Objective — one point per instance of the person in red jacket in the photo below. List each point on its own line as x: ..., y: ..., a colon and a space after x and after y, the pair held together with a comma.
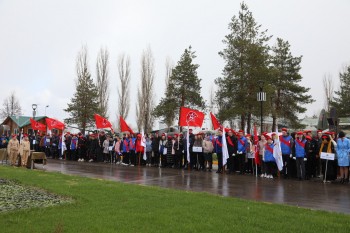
x: 139, y: 149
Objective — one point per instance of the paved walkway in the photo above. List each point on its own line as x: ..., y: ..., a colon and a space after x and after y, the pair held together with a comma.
x: 309, y: 194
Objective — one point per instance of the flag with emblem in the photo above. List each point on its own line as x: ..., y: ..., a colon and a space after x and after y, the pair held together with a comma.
x: 190, y: 117
x: 124, y: 126
x: 101, y: 122
x: 54, y: 124
x: 37, y: 125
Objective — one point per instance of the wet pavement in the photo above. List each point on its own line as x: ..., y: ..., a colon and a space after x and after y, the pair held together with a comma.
x: 310, y: 194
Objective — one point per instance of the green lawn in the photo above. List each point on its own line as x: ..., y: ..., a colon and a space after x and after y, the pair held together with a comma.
x: 106, y: 206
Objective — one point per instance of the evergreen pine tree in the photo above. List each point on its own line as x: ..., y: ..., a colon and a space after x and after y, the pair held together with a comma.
x: 183, y: 88
x: 84, y: 103
x: 246, y: 56
x: 289, y: 97
x: 341, y: 101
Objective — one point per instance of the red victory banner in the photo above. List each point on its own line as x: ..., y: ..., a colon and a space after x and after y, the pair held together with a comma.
x: 37, y: 126
x: 102, y: 122
x: 190, y: 117
x: 54, y: 124
x: 124, y: 126
x: 215, y: 122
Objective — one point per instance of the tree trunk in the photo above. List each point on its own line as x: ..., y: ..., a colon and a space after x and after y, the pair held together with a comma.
x: 274, y: 119
x: 249, y: 119
x: 242, y: 121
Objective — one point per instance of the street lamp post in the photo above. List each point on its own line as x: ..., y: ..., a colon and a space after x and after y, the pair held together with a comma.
x: 46, y: 108
x: 261, y: 97
x: 34, y: 107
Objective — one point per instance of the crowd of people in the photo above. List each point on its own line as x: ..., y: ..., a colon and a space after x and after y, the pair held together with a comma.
x: 301, y: 151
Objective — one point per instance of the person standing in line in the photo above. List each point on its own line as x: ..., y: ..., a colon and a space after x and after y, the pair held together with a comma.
x: 208, y: 153
x: 12, y: 149
x: 300, y: 153
x: 343, y: 150
x: 25, y: 150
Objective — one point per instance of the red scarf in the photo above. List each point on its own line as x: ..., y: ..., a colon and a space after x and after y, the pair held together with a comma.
x: 229, y: 141
x: 218, y: 143
x: 300, y: 143
x: 284, y: 141
x: 126, y: 144
x: 241, y: 141
x: 267, y: 147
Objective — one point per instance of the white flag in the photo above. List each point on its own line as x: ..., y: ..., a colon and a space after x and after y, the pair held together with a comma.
x: 225, y: 155
x: 277, y: 152
x: 188, y: 143
x: 143, y: 143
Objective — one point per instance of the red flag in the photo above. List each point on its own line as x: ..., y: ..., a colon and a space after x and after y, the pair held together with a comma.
x: 124, y: 127
x: 37, y: 126
x: 102, y: 122
x: 256, y: 143
x: 215, y: 122
x: 190, y: 117
x: 54, y: 124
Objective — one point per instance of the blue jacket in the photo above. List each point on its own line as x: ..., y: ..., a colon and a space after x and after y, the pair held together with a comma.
x: 125, y: 148
x: 299, y: 150
x: 242, y: 147
x: 74, y: 143
x: 286, y: 150
x: 218, y: 144
x: 268, y: 156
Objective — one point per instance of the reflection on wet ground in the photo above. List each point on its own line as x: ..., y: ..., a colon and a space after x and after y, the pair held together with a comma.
x: 309, y: 194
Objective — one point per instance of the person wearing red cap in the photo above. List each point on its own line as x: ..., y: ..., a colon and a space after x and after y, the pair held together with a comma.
x: 218, y: 151
x: 269, y: 160
x: 163, y: 150
x: 241, y: 151
x: 170, y: 153
x: 178, y: 147
x: 328, y: 145
x: 300, y: 155
x: 232, y: 151
x: 12, y: 149
x: 24, y: 150
x: 261, y: 148
x: 287, y: 144
x: 155, y: 149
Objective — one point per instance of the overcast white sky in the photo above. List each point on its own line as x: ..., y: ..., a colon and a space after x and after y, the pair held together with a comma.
x: 40, y: 41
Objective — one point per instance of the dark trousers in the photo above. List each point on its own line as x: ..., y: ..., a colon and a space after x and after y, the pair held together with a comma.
x: 310, y: 166
x: 219, y: 161
x: 149, y: 157
x: 286, y: 165
x: 163, y: 160
x: 241, y: 162
x: 201, y: 160
x: 156, y: 158
x: 300, y: 168
x: 270, y: 168
x: 230, y: 163
x: 133, y: 157
x: 178, y: 158
x: 126, y: 158
x: 193, y: 160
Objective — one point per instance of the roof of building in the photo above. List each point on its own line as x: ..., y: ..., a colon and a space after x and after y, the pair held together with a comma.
x: 21, y: 121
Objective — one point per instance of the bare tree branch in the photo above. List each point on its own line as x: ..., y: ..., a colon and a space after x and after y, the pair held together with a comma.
x: 11, y: 106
